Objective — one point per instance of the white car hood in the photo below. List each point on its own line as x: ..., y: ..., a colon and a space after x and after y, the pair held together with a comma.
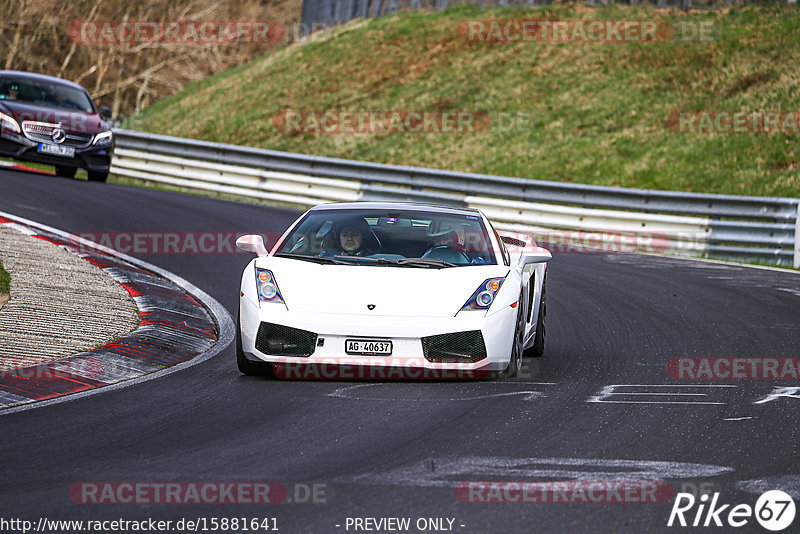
x: 394, y: 291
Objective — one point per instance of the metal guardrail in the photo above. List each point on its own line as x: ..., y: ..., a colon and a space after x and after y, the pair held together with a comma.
x: 763, y: 229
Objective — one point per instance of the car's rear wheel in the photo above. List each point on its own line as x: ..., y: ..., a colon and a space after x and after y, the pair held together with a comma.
x: 537, y: 349
x: 515, y: 365
x: 66, y: 172
x: 246, y: 367
x: 97, y: 176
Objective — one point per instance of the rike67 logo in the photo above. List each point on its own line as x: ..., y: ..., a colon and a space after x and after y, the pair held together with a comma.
x: 774, y: 510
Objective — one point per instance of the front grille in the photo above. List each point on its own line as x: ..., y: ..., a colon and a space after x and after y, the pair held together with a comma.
x: 78, y: 140
x: 42, y: 132
x: 279, y: 340
x: 458, y: 347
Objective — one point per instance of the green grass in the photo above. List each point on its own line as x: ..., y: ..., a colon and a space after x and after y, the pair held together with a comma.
x: 595, y: 113
x: 5, y: 280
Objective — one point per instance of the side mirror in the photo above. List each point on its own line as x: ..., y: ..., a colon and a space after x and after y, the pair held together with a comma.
x: 105, y: 112
x: 539, y: 255
x: 252, y: 243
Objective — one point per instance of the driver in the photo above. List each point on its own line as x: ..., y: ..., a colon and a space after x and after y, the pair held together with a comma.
x: 351, y: 236
x: 13, y: 91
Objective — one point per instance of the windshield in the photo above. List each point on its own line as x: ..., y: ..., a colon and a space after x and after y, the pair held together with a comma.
x: 45, y: 94
x: 387, y: 237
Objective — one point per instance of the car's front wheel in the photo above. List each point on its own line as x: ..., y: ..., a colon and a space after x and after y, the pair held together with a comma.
x: 515, y: 365
x: 246, y: 367
x: 66, y: 172
x: 97, y: 176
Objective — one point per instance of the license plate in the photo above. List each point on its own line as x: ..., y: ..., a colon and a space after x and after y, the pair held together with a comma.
x: 367, y: 346
x: 57, y: 150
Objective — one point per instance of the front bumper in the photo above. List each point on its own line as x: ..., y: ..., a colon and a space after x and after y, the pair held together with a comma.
x: 405, y: 333
x: 19, y: 147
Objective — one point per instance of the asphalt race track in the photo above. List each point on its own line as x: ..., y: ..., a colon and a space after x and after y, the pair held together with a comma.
x: 598, y: 406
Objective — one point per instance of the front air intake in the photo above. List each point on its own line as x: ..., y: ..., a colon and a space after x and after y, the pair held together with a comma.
x: 458, y: 347
x: 279, y: 340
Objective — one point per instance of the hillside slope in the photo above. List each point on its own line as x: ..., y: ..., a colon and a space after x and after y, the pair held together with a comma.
x: 586, y: 112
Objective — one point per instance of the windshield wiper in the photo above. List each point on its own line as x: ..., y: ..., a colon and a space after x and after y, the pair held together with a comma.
x: 351, y: 260
x: 424, y: 262
x: 315, y: 259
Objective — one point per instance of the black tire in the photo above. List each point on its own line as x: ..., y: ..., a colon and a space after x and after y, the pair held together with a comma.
x: 515, y: 365
x: 537, y: 349
x: 246, y: 367
x: 66, y: 172
x: 97, y: 176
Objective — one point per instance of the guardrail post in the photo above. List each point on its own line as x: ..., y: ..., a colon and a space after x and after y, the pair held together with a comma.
x: 797, y: 238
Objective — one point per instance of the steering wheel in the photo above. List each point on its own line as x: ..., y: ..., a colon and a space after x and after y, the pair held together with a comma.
x: 448, y: 254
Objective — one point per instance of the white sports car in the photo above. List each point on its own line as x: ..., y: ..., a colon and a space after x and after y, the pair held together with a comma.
x: 391, y: 290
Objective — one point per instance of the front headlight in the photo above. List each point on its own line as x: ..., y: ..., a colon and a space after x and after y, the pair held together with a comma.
x: 267, y: 287
x: 8, y: 123
x: 102, y: 139
x: 484, y: 295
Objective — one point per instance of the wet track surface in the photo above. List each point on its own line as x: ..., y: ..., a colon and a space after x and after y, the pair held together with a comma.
x: 600, y: 405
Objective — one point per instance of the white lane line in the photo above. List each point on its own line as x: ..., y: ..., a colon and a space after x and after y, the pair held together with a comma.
x: 219, y: 313
x: 737, y: 418
x: 613, y: 390
x: 790, y: 392
x: 795, y: 292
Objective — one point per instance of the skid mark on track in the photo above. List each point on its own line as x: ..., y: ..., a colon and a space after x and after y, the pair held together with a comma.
x: 788, y: 483
x: 353, y: 393
x: 451, y: 471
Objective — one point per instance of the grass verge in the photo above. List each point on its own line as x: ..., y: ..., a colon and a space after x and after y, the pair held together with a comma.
x: 594, y: 113
x: 5, y: 280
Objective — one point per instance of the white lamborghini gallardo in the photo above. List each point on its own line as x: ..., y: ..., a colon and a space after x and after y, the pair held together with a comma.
x: 415, y: 290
